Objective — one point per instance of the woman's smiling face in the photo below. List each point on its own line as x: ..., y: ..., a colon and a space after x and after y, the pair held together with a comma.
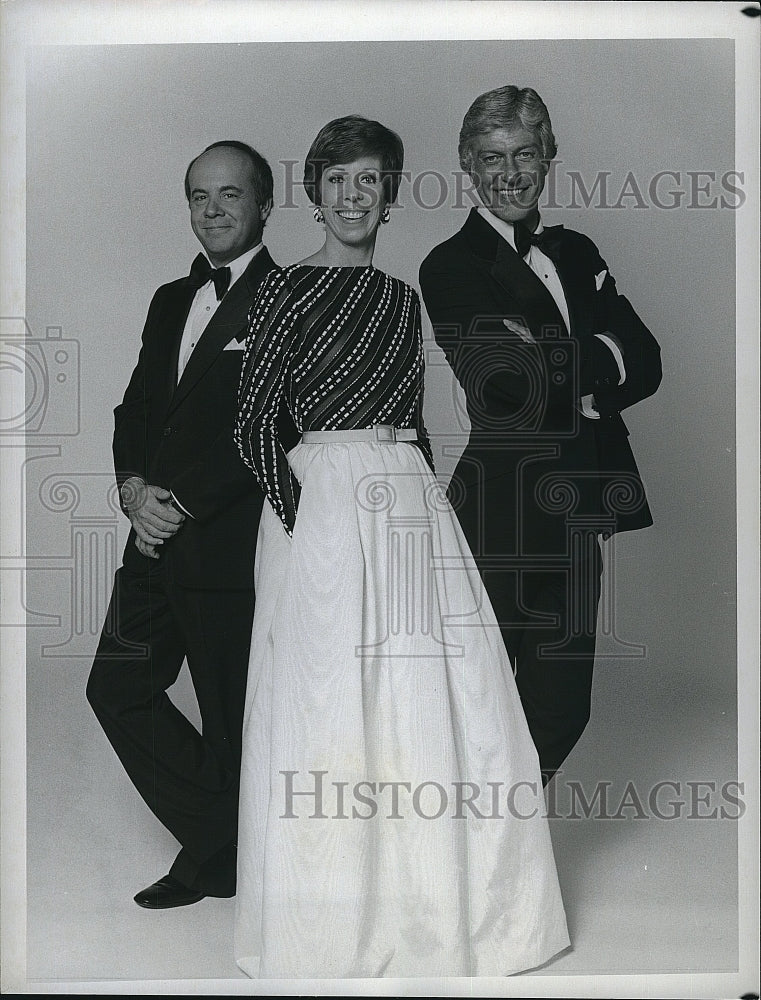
x: 352, y: 200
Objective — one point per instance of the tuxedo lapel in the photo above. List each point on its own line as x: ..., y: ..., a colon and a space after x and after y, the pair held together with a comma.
x: 228, y: 323
x: 528, y: 296
x: 172, y: 322
x: 526, y: 289
x: 579, y: 288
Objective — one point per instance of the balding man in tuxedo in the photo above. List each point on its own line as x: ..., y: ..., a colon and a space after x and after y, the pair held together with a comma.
x: 185, y: 589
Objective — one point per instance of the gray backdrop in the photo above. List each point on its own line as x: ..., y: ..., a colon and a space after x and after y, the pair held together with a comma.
x: 110, y: 130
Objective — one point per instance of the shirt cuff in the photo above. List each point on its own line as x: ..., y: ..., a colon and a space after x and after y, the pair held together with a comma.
x: 587, y: 407
x: 616, y: 352
x: 177, y: 503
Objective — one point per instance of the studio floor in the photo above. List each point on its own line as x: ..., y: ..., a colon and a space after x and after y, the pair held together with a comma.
x: 642, y: 894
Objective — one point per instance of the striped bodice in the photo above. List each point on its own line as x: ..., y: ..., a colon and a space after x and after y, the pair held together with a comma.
x: 343, y: 346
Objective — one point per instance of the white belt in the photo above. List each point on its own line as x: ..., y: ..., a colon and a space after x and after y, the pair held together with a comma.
x: 380, y: 433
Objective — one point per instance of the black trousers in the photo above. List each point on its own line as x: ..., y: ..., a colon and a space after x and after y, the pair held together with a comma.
x: 188, y: 779
x: 548, y: 620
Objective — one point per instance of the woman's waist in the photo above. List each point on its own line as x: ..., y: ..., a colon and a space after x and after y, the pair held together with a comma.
x: 357, y: 452
x: 376, y: 434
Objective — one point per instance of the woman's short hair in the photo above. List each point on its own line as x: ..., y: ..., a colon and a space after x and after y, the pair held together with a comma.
x: 506, y: 107
x: 345, y: 140
x: 261, y: 172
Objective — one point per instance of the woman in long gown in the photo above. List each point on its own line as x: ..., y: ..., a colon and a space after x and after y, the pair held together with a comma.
x: 391, y: 811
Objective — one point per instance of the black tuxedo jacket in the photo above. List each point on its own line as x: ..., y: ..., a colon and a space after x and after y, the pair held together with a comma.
x: 534, y: 463
x: 180, y: 435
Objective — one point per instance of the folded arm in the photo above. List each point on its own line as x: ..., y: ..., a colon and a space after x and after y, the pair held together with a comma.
x: 621, y: 341
x: 500, y: 363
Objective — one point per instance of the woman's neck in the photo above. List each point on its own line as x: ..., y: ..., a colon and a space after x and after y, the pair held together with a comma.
x: 333, y: 253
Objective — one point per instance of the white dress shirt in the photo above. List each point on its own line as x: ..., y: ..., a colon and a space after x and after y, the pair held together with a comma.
x: 203, y: 307
x: 547, y: 273
x: 205, y: 304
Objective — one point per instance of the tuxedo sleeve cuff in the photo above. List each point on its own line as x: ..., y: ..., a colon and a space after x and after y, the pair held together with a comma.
x: 615, y: 350
x: 587, y: 407
x: 179, y: 506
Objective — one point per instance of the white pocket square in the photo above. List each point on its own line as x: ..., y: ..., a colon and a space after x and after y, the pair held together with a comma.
x: 235, y: 345
x: 600, y: 278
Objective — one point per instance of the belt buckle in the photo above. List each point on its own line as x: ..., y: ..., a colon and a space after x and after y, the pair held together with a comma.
x: 385, y: 433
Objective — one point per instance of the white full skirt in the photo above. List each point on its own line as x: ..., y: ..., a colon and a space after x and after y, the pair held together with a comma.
x: 391, y: 809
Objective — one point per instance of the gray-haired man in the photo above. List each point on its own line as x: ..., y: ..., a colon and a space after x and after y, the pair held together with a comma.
x: 548, y: 354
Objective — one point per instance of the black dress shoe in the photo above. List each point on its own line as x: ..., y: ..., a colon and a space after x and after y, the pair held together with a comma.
x: 166, y: 893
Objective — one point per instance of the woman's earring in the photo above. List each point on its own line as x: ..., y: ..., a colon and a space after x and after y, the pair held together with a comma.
x: 318, y: 216
x: 385, y: 214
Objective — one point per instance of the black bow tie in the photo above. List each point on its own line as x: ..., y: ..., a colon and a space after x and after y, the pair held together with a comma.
x: 202, y: 271
x: 548, y: 241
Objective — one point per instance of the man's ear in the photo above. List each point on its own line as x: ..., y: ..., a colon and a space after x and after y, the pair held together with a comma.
x: 264, y: 210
